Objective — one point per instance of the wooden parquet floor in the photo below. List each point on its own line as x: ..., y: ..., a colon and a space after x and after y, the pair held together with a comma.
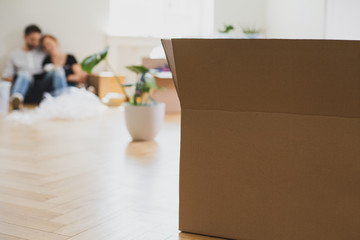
x: 86, y: 180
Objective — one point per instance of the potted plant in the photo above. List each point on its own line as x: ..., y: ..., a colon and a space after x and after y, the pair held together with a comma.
x: 251, y: 32
x: 227, y: 31
x: 144, y: 116
x: 227, y: 28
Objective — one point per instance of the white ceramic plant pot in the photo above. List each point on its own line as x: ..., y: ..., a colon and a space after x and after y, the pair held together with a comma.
x: 144, y: 122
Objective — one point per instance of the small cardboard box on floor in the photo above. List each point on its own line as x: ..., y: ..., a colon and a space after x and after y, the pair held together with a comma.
x: 270, y: 137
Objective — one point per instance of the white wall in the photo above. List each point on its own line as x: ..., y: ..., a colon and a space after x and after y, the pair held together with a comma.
x: 343, y: 19
x: 295, y: 18
x: 129, y: 51
x: 240, y: 13
x: 79, y: 25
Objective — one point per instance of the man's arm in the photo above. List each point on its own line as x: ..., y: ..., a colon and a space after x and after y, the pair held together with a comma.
x: 10, y: 71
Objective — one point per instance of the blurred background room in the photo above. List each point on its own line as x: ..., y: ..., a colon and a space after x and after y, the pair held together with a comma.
x: 88, y: 165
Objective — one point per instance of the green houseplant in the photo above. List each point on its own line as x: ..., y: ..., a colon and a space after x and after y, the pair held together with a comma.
x: 143, y: 115
x: 144, y: 87
x: 251, y: 32
x: 227, y: 28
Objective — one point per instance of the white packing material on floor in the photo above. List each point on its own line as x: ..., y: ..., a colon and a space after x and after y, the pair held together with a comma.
x: 73, y: 103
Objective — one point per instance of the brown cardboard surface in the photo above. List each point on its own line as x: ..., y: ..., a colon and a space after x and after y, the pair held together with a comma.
x: 104, y: 85
x: 269, y: 75
x: 275, y: 153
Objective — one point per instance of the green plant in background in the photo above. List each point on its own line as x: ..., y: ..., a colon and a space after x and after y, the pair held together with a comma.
x: 144, y: 87
x: 91, y: 61
x: 138, y: 69
x: 227, y: 29
x: 250, y: 30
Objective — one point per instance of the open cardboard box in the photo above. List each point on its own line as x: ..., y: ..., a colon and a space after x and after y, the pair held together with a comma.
x: 270, y: 137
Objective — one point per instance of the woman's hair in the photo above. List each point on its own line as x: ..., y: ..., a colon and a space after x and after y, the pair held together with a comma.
x: 47, y: 36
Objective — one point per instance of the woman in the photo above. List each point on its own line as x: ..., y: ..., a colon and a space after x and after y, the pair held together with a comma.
x: 64, y: 66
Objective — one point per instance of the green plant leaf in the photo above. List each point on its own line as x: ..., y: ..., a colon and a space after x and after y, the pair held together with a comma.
x: 91, y: 61
x: 138, y: 69
x: 150, y: 82
x: 227, y: 29
x: 144, y: 89
x: 125, y: 85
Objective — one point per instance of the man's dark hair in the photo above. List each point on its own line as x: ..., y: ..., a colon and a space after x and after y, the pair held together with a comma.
x: 31, y: 29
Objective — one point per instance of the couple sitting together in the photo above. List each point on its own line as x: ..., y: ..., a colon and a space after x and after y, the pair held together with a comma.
x: 40, y: 67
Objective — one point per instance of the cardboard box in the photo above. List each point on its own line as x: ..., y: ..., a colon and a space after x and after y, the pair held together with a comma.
x: 105, y: 84
x: 275, y: 153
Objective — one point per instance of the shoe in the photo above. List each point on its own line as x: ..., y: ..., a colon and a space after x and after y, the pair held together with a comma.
x: 17, y: 101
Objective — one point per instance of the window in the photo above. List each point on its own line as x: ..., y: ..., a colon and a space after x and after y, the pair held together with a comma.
x: 343, y: 19
x: 161, y: 18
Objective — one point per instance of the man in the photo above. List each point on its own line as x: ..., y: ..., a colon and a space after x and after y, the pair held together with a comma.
x: 24, y: 68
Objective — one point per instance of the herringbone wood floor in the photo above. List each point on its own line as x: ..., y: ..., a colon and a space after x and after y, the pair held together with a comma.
x: 86, y: 180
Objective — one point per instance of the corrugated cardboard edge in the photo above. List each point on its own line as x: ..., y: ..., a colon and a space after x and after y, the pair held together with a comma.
x: 169, y: 52
x: 167, y: 45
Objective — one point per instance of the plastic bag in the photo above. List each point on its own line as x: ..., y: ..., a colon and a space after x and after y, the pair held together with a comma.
x: 71, y: 104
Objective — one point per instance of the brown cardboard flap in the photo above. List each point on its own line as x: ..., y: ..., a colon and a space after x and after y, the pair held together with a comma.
x: 312, y: 77
x: 167, y: 45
